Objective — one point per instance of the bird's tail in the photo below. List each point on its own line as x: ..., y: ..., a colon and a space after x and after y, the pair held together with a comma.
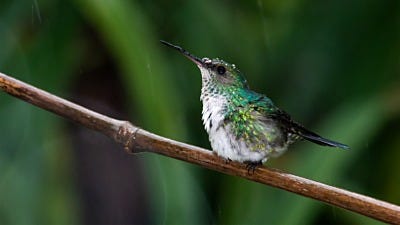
x: 313, y: 137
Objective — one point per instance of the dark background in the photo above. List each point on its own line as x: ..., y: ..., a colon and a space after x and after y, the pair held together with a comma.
x: 333, y: 65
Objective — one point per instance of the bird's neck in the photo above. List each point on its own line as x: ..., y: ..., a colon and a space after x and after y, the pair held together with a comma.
x: 214, y: 106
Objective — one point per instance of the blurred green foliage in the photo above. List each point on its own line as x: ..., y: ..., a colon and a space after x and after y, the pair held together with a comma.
x: 333, y: 65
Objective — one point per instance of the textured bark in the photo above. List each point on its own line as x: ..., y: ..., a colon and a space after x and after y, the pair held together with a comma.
x: 136, y: 140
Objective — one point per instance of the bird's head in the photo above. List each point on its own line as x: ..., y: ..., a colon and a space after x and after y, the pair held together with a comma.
x: 215, y: 71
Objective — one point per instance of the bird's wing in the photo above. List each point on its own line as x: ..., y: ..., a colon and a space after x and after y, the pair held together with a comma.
x: 298, y: 129
x: 264, y: 105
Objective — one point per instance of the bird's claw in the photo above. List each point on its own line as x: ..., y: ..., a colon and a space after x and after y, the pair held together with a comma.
x: 252, y: 166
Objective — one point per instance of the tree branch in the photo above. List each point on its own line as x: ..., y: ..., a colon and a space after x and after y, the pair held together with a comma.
x: 135, y: 140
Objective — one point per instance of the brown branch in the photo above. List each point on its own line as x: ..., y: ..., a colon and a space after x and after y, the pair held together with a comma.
x: 135, y: 139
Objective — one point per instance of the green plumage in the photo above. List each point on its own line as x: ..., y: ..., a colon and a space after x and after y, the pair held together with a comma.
x: 243, y: 125
x: 245, y: 112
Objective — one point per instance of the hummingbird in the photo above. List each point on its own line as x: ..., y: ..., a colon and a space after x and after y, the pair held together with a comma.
x: 243, y: 125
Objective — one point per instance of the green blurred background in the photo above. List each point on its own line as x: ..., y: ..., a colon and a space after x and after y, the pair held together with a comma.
x: 333, y: 65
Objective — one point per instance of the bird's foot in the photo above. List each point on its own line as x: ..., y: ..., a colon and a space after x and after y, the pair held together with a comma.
x: 252, y: 166
x: 228, y: 160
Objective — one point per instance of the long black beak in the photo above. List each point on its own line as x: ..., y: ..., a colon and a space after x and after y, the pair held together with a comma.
x: 193, y: 58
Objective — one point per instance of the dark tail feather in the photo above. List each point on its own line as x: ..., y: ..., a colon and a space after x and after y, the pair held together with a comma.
x: 310, y: 136
x: 297, y: 129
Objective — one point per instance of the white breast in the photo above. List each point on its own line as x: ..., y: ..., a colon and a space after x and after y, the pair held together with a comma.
x: 213, y: 112
x: 220, y: 135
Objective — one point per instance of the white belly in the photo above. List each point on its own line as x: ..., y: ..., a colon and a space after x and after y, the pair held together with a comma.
x: 227, y: 146
x: 221, y: 138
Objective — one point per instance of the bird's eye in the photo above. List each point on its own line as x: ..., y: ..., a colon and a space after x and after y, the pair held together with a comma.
x: 221, y: 70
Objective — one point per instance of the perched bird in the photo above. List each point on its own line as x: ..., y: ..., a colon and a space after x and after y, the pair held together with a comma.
x: 243, y: 125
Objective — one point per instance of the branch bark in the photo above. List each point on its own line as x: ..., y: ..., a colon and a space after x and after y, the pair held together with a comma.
x: 135, y: 140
